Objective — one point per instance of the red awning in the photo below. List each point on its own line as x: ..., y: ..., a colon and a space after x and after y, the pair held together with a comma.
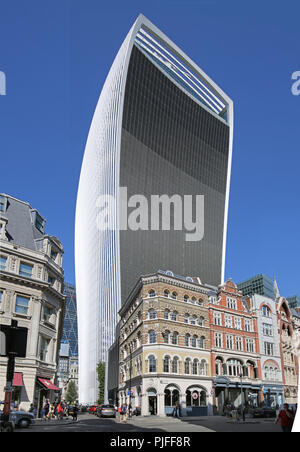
x: 18, y: 379
x: 48, y: 384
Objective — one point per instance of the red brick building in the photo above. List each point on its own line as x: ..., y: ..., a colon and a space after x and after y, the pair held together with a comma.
x: 235, y: 358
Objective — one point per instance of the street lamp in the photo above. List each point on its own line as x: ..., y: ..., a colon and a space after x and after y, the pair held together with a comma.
x: 242, y: 400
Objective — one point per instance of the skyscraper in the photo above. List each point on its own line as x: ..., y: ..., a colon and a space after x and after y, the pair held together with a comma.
x: 259, y: 284
x: 70, y: 331
x: 161, y: 128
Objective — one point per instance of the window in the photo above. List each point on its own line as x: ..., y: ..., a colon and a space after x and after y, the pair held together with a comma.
x: 237, y: 323
x: 51, y: 280
x: 152, y: 314
x: 175, y: 365
x: 47, y: 313
x: 186, y: 298
x: 152, y: 364
x: 152, y: 293
x: 248, y: 325
x: 187, y: 366
x: 217, y: 318
x: 166, y: 293
x: 166, y: 314
x: 25, y: 270
x: 152, y: 337
x: 267, y: 329
x: 167, y: 364
x: 228, y: 321
x: 201, y: 342
x: 213, y: 300
x: 201, y: 321
x: 3, y: 260
x: 1, y: 297
x: 231, y: 303
x: 39, y: 223
x: 186, y: 318
x: 203, y: 367
x: 53, y: 254
x: 166, y: 336
x: 174, y: 295
x: 266, y: 311
x: 218, y: 339
x: 269, y: 348
x: 174, y: 316
x: 229, y: 342
x: 193, y: 320
x: 195, y: 367
x: 174, y: 338
x: 239, y: 343
x: 44, y: 344
x: 234, y: 367
x: 2, y: 203
x: 194, y: 341
x: 250, y: 345
x: 22, y: 305
x: 187, y: 340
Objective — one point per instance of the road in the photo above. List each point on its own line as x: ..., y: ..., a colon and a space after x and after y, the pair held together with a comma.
x: 90, y: 423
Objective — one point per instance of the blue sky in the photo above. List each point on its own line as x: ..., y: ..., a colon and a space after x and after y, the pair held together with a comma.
x: 56, y: 55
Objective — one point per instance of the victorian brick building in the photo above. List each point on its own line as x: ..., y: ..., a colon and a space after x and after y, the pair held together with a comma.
x: 235, y: 358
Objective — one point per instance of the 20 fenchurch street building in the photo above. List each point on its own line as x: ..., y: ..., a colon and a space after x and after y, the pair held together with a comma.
x: 161, y: 127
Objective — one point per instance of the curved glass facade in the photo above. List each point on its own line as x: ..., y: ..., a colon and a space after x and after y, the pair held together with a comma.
x: 161, y: 127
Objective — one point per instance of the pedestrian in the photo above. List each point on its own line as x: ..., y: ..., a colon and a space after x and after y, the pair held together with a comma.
x: 124, y: 410
x: 60, y: 411
x: 46, y: 410
x: 75, y: 411
x: 286, y: 417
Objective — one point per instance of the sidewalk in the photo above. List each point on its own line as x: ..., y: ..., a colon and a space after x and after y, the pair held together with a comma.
x: 40, y: 421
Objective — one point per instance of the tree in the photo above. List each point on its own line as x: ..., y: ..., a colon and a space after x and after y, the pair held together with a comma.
x: 101, y: 381
x: 71, y: 394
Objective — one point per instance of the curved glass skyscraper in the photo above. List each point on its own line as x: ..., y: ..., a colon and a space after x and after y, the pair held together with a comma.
x: 162, y: 128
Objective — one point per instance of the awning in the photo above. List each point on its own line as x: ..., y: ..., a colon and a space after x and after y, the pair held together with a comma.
x: 48, y: 384
x: 18, y: 379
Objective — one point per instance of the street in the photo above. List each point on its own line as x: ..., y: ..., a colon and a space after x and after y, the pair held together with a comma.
x: 90, y: 423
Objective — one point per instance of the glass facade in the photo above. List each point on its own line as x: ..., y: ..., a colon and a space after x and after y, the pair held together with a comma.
x: 70, y: 330
x: 260, y: 284
x: 151, y: 134
x: 171, y: 145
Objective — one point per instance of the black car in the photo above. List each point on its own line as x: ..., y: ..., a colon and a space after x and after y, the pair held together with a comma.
x: 264, y: 411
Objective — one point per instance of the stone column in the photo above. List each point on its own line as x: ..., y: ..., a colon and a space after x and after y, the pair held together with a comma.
x: 161, y: 404
x: 33, y: 336
x: 144, y: 405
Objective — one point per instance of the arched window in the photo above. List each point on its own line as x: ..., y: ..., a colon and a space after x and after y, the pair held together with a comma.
x: 200, y: 302
x: 167, y: 364
x: 166, y: 293
x: 203, y: 367
x: 174, y: 315
x: 175, y: 338
x: 152, y: 337
x: 175, y: 365
x: 152, y: 364
x: 201, y: 342
x: 166, y: 336
x: 187, y: 340
x: 152, y: 314
x: 195, y: 367
x: 200, y: 321
x: 193, y: 300
x: 187, y: 366
x: 186, y: 298
x: 194, y: 341
x: 152, y: 293
x: 266, y: 311
x: 193, y: 320
x: 166, y: 314
x: 186, y: 318
x: 174, y: 295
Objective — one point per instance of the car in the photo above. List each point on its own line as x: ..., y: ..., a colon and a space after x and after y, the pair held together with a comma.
x: 92, y: 409
x: 263, y: 411
x: 21, y: 419
x: 106, y: 411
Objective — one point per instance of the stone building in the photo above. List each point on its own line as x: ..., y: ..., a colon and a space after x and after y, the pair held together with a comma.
x: 31, y: 292
x: 165, y: 346
x: 235, y: 355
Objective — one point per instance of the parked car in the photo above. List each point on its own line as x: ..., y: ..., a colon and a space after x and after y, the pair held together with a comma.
x: 21, y: 419
x: 106, y: 411
x: 263, y: 411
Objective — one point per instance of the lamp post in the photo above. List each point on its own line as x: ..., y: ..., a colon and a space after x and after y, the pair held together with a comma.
x: 242, y: 399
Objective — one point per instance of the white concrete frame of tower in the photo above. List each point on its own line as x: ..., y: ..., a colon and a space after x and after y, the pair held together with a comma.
x: 103, y: 152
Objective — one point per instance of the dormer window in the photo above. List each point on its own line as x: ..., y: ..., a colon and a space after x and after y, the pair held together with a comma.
x: 2, y: 203
x: 53, y: 254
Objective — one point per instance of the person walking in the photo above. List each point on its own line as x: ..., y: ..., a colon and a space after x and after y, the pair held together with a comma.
x: 75, y: 411
x: 286, y: 417
x: 46, y: 410
x: 124, y: 411
x: 60, y: 411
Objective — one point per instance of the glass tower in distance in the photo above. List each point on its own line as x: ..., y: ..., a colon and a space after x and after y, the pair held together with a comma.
x: 70, y: 330
x: 259, y: 284
x: 161, y: 127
